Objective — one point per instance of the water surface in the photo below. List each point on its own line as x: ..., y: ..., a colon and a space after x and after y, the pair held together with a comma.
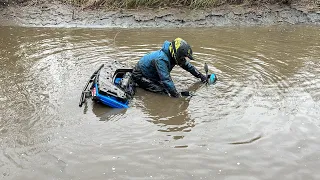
x: 259, y: 121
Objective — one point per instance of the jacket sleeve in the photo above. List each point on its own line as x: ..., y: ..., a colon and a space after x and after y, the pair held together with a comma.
x: 165, y: 78
x: 190, y: 68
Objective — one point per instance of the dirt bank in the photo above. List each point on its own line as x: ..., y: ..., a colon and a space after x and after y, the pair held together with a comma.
x: 56, y: 14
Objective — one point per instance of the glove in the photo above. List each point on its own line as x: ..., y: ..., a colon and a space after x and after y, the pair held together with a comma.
x: 203, y: 78
x: 185, y: 93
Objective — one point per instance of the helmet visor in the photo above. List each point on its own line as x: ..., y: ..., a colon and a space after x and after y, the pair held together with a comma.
x: 189, y: 53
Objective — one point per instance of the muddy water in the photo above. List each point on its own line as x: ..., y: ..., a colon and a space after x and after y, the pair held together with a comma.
x: 260, y: 121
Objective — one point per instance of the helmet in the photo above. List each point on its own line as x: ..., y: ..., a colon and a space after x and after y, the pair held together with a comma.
x: 179, y: 50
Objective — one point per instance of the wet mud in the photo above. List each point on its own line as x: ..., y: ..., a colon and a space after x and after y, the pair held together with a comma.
x: 56, y: 14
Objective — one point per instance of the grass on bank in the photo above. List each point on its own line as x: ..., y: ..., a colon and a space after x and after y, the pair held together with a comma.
x: 131, y: 4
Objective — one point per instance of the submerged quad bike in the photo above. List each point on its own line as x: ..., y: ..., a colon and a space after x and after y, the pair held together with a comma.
x: 115, y: 93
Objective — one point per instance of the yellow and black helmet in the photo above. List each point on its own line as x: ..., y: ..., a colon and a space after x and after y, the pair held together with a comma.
x: 179, y: 50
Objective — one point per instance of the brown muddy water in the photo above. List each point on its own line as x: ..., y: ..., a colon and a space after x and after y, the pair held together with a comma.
x: 259, y: 121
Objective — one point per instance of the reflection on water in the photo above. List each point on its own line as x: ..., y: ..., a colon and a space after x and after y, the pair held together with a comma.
x: 170, y: 115
x: 105, y: 113
x: 259, y: 121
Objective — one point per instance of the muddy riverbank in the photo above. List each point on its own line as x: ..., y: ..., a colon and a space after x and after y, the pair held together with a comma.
x: 57, y: 14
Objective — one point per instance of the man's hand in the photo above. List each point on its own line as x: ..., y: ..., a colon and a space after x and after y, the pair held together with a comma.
x: 186, y: 93
x: 203, y: 78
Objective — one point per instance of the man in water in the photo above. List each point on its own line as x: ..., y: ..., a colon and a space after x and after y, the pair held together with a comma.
x: 152, y: 72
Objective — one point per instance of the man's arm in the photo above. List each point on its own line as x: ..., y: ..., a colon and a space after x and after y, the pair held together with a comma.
x: 190, y: 68
x: 165, y: 78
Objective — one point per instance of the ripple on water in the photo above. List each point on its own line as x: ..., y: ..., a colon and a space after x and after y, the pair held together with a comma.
x: 259, y: 121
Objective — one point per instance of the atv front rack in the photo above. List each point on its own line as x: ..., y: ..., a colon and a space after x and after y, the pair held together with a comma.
x: 86, y: 90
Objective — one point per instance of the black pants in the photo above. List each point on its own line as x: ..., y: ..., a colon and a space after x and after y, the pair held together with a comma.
x: 145, y: 83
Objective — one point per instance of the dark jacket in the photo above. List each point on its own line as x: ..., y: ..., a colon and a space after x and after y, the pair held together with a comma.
x: 157, y: 66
